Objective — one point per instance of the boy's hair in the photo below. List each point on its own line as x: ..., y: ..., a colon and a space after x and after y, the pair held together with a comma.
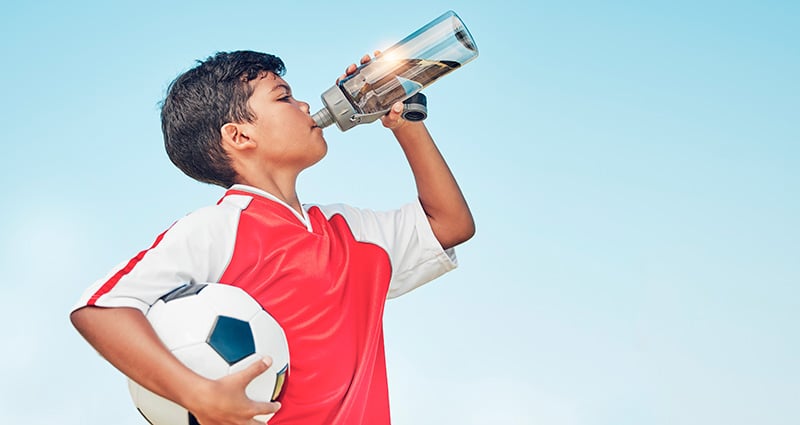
x: 200, y: 101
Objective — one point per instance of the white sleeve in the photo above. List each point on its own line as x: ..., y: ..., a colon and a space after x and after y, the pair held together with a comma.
x: 405, y: 234
x: 197, y: 248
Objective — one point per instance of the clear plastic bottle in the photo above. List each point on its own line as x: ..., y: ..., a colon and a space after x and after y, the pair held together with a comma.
x: 431, y: 52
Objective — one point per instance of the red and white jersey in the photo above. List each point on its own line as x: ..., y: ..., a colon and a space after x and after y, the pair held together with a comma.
x: 324, y: 275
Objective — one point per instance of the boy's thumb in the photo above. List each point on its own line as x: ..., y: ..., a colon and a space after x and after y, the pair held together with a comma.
x: 257, y: 368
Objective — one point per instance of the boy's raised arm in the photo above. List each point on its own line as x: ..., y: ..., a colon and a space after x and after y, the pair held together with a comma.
x: 438, y: 191
x: 124, y: 337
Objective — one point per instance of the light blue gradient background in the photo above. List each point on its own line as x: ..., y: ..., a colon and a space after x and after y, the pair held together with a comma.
x: 633, y: 168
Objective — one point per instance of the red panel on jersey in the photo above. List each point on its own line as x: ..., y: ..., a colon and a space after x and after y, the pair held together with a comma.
x: 327, y: 291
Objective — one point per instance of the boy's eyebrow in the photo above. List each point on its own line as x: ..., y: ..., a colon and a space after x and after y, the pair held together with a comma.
x: 281, y: 86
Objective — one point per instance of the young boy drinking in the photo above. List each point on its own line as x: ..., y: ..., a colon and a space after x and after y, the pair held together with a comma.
x: 323, y: 272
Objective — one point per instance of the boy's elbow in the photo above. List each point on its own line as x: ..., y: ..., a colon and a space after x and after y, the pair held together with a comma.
x: 458, y: 234
x: 87, y: 317
x: 467, y: 231
x: 79, y: 318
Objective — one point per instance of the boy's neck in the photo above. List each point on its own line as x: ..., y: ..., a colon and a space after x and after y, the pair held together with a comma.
x: 286, y: 193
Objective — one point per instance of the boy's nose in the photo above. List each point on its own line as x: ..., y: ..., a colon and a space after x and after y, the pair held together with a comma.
x: 305, y: 107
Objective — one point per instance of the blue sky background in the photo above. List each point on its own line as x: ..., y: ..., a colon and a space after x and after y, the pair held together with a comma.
x: 632, y: 167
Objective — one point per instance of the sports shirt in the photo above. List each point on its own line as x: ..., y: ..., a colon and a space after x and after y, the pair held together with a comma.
x: 324, y: 275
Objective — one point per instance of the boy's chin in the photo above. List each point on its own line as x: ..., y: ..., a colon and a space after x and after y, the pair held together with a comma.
x: 320, y: 156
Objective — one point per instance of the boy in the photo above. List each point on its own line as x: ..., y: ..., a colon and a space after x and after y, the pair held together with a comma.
x: 324, y: 273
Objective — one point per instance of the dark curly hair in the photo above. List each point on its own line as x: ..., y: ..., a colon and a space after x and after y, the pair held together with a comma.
x: 200, y: 101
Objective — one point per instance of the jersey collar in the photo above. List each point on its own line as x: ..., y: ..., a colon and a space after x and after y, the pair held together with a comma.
x: 264, y: 194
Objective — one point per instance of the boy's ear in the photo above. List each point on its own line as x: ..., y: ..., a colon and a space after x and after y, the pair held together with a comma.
x: 234, y: 137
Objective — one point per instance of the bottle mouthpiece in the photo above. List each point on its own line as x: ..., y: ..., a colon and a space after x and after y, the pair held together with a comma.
x: 323, y: 118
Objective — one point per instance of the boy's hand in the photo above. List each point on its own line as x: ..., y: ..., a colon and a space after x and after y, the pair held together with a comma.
x: 223, y: 402
x: 351, y: 69
x: 393, y: 119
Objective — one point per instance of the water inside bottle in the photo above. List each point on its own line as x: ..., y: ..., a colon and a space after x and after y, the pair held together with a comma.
x: 377, y: 86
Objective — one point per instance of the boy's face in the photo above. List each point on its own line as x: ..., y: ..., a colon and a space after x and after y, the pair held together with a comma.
x: 283, y: 129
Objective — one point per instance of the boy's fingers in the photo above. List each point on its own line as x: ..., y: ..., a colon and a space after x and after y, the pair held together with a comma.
x: 352, y: 67
x: 394, y: 113
x: 393, y: 119
x: 347, y: 71
x: 265, y: 408
x: 257, y: 368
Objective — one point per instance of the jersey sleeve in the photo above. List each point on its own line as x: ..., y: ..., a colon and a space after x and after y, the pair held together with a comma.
x: 196, y: 248
x: 405, y: 234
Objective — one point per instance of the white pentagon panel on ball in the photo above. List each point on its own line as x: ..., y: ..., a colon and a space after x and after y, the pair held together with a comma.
x: 238, y: 303
x: 202, y: 359
x: 182, y: 321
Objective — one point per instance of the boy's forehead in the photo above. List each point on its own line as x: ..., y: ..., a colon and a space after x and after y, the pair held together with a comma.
x: 269, y: 81
x: 272, y: 79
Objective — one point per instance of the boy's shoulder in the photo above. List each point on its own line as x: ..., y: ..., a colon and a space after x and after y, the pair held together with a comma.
x: 224, y: 214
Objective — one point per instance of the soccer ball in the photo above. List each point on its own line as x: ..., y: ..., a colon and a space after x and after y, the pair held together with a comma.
x: 215, y: 330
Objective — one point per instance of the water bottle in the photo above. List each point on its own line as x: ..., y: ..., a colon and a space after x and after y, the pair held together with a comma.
x: 398, y: 74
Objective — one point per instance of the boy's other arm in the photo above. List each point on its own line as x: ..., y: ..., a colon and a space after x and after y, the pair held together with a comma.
x: 124, y: 337
x: 438, y: 191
